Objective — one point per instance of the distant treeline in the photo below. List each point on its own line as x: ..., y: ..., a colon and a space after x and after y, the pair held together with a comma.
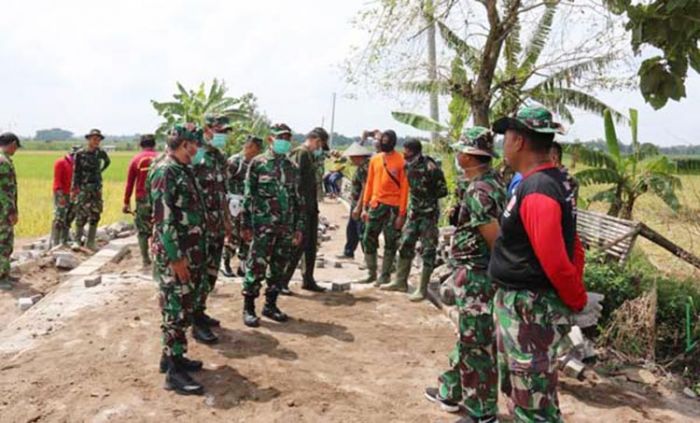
x: 676, y: 150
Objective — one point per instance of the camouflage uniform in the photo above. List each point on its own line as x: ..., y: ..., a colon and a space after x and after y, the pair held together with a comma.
x: 8, y: 207
x: 179, y: 218
x: 274, y: 211
x: 210, y: 170
x: 87, y: 182
x: 427, y: 185
x: 473, y: 377
x: 355, y: 228
x: 237, y: 170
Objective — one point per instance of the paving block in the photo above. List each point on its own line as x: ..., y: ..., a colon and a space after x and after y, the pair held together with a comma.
x: 320, y: 263
x: 66, y: 261
x: 574, y: 368
x: 25, y: 303
x: 92, y: 281
x: 340, y: 286
x: 337, y: 265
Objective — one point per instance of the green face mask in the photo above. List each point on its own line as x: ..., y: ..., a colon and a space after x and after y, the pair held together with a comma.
x: 219, y: 141
x: 280, y: 146
x: 318, y: 153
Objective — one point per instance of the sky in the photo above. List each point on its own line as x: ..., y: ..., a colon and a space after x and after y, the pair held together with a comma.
x: 79, y: 64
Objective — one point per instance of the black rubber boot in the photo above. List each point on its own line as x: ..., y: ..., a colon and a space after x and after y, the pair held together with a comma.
x: 228, y: 272
x: 187, y: 364
x: 250, y: 319
x: 177, y: 379
x: 270, y: 310
x: 209, y: 321
x: 311, y: 285
x: 91, y: 243
x: 201, y: 332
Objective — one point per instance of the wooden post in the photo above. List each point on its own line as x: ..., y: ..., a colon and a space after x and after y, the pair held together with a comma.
x: 665, y: 243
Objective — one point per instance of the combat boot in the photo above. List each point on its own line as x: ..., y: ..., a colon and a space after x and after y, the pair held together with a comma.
x: 250, y: 319
x: 78, y: 240
x: 143, y: 247
x: 387, y: 265
x: 270, y: 309
x: 208, y: 320
x: 201, y: 331
x: 422, y: 289
x: 400, y: 283
x: 177, y: 379
x: 92, y: 233
x: 56, y: 232
x: 371, y: 261
x: 65, y: 236
x: 187, y: 364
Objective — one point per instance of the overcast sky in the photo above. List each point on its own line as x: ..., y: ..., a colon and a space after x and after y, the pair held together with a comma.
x: 79, y: 64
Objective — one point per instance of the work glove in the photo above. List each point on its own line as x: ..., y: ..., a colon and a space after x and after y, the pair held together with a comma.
x: 591, y: 312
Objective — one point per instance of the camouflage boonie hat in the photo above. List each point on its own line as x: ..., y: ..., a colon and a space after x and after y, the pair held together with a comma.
x: 477, y: 141
x: 221, y: 122
x: 187, y: 131
x: 534, y: 119
x: 94, y: 133
x: 280, y: 129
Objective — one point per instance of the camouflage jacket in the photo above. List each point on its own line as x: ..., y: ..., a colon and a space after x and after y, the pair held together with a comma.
x: 178, y: 214
x: 88, y: 167
x: 237, y: 170
x: 482, y: 203
x: 306, y: 163
x: 573, y: 183
x: 8, y: 188
x: 211, y: 173
x: 358, y: 183
x: 272, y: 194
x: 427, y: 186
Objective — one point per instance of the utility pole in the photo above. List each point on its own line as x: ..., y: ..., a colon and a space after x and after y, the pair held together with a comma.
x: 429, y: 14
x: 330, y: 140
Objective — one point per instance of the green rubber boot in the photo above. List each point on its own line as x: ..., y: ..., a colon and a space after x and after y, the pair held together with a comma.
x: 422, y: 289
x: 78, y: 240
x: 143, y: 247
x: 65, y: 236
x: 371, y: 262
x: 387, y: 265
x: 92, y: 233
x: 400, y: 283
x: 56, y: 232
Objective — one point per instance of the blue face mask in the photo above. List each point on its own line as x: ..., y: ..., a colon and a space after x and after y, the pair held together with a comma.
x: 280, y: 146
x: 219, y: 141
x: 199, y: 156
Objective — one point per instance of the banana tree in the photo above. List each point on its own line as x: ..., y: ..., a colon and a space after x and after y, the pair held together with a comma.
x: 194, y: 105
x: 628, y: 176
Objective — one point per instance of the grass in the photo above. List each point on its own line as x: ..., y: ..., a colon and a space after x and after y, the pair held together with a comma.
x: 35, y: 178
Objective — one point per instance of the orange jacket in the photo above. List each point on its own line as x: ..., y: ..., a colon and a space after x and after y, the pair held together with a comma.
x: 381, y: 188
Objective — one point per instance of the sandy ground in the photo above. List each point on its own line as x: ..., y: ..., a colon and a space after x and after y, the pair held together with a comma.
x: 359, y: 356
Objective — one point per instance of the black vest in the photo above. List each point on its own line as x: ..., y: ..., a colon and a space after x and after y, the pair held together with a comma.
x: 514, y: 264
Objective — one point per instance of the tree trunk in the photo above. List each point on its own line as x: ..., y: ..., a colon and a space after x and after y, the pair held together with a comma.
x: 616, y: 205
x: 628, y: 208
x: 432, y: 64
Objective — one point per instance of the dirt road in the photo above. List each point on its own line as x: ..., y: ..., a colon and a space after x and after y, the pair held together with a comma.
x: 359, y: 356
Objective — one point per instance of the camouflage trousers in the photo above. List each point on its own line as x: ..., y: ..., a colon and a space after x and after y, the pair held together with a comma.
x: 238, y: 247
x: 7, y: 242
x: 143, y: 219
x: 381, y: 219
x: 473, y: 378
x: 88, y: 206
x: 423, y: 228
x: 529, y: 328
x: 63, y: 212
x: 177, y: 301
x: 215, y: 249
x: 270, y: 252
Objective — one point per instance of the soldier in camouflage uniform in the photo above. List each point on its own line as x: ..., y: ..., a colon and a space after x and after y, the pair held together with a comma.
x: 537, y: 266
x: 359, y: 156
x: 63, y: 210
x: 273, y: 219
x: 237, y: 171
x: 9, y: 214
x: 473, y: 378
x: 427, y: 186
x: 179, y: 252
x: 86, y: 194
x: 210, y: 169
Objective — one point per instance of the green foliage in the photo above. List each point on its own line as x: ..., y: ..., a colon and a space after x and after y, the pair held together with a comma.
x: 629, y: 176
x: 673, y: 27
x: 195, y: 105
x: 423, y: 123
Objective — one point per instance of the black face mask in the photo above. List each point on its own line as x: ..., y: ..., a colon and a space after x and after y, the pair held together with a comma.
x: 386, y: 148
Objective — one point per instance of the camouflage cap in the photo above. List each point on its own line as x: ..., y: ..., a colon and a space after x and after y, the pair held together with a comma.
x: 477, y: 141
x: 8, y: 138
x: 532, y: 118
x: 187, y: 131
x: 221, y: 122
x: 280, y: 129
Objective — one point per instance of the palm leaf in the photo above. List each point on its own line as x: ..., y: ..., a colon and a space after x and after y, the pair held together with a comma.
x: 597, y: 176
x: 566, y: 76
x: 538, y: 40
x: 606, y: 196
x: 470, y: 54
x: 512, y: 49
x: 611, y: 136
x: 421, y: 122
x: 664, y: 188
x: 591, y: 157
x: 572, y: 98
x: 426, y: 87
